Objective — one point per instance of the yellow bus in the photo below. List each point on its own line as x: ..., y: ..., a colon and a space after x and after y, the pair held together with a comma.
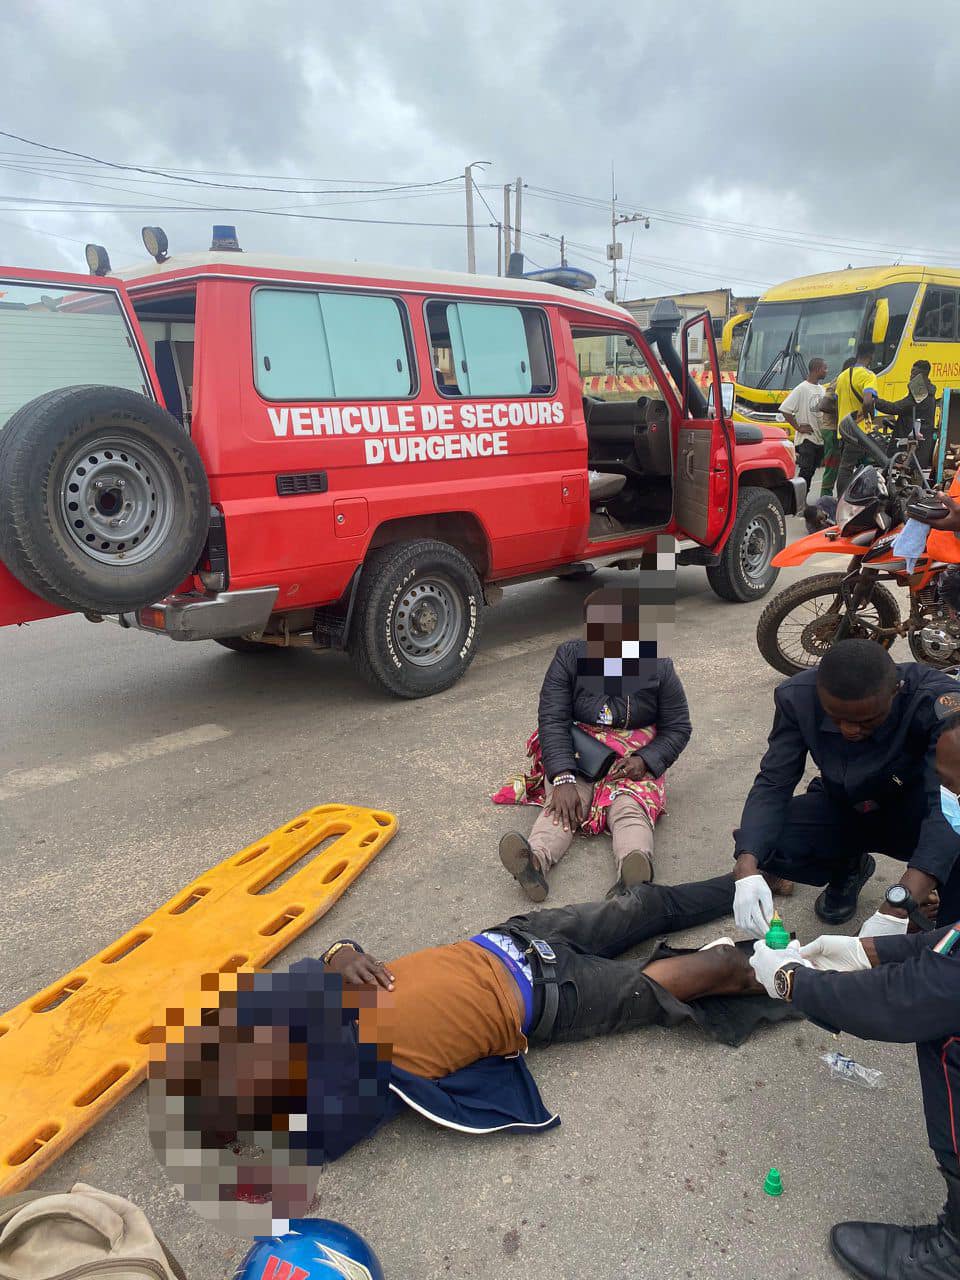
x: 910, y: 313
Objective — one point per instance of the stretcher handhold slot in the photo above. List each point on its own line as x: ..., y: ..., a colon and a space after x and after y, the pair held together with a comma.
x: 281, y: 921
x: 233, y: 964
x: 295, y: 827
x: 32, y: 1146
x: 51, y: 1002
x: 101, y: 1085
x: 125, y: 948
x: 335, y: 872
x: 250, y: 855
x: 189, y: 901
x: 281, y: 871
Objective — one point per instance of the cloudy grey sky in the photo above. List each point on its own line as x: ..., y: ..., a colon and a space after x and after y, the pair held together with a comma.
x: 762, y: 140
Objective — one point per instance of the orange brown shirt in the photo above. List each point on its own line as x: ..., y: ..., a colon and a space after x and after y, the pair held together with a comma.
x: 452, y: 1006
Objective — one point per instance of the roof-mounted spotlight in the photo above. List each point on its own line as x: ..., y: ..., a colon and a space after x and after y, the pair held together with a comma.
x: 155, y: 242
x: 98, y: 260
x: 225, y: 239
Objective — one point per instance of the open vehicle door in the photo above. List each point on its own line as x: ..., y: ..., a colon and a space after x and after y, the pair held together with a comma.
x: 98, y: 483
x: 704, y: 505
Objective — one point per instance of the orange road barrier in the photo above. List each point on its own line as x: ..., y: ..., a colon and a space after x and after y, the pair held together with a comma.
x: 598, y: 384
x: 73, y: 1050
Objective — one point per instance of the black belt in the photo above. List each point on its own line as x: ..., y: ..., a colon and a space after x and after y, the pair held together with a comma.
x: 544, y: 969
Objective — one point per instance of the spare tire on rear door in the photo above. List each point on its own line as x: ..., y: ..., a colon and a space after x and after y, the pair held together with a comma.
x: 104, y: 504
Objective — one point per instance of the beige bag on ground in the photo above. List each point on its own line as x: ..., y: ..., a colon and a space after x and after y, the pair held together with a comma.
x: 83, y: 1234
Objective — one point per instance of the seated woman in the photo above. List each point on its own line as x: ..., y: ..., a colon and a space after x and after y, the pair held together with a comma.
x: 615, y: 688
x: 296, y: 1067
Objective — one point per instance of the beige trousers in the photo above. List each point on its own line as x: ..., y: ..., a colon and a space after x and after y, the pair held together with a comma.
x: 629, y: 827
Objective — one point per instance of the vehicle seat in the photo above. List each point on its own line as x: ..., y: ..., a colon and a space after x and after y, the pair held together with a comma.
x: 604, y: 485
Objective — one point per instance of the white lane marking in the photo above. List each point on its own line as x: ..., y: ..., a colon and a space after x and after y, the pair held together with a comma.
x: 19, y: 781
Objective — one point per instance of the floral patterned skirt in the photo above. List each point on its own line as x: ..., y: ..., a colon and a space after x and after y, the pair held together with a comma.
x: 649, y: 793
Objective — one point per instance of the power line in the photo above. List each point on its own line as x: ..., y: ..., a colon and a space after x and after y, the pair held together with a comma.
x: 204, y: 182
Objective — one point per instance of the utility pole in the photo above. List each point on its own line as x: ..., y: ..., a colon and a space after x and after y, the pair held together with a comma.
x: 615, y: 250
x: 499, y: 248
x: 517, y: 221
x: 471, y: 238
x: 563, y: 251
x: 612, y: 251
x: 506, y: 225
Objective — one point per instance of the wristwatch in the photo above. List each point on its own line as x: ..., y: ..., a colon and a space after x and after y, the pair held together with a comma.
x: 900, y: 897
x: 783, y: 980
x: 331, y: 951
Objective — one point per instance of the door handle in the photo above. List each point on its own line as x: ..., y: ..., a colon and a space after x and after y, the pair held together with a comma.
x: 688, y: 464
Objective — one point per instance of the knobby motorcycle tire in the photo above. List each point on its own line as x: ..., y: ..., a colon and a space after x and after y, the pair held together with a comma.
x: 821, y: 584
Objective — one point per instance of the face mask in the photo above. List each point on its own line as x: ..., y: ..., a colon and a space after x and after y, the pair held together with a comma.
x: 950, y: 808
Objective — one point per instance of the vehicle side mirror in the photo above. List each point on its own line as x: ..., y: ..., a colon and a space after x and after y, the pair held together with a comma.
x: 881, y: 322
x: 726, y: 399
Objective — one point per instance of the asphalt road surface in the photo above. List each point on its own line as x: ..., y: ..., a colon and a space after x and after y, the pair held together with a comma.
x: 130, y: 764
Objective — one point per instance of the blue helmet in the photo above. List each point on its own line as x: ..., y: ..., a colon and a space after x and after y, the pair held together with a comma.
x: 313, y: 1249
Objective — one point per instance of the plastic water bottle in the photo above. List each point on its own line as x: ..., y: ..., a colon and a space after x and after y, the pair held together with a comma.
x: 847, y: 1069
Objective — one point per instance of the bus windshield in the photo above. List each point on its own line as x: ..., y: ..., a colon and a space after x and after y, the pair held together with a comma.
x: 783, y: 336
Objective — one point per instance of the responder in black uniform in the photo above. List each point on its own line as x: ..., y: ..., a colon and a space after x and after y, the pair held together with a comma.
x: 900, y: 989
x: 870, y: 725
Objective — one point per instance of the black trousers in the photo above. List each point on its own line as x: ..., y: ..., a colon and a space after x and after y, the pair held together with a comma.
x: 809, y: 457
x: 600, y: 993
x: 822, y: 841
x: 939, y: 1063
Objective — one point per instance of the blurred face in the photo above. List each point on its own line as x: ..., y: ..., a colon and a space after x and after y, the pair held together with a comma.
x: 819, y: 371
x: 857, y: 720
x: 229, y: 1106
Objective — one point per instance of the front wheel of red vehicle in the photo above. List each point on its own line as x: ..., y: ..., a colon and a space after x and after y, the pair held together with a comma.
x: 805, y: 620
x: 104, y: 503
x: 418, y: 617
x: 746, y: 570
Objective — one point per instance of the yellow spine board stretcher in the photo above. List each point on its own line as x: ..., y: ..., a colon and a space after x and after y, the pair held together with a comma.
x: 72, y: 1051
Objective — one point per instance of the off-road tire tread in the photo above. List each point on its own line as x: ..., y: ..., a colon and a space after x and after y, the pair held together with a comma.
x: 382, y: 566
x: 50, y: 574
x: 784, y: 601
x: 723, y: 577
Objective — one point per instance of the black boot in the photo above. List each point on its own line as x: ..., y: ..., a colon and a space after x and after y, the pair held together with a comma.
x: 878, y: 1251
x: 517, y: 856
x: 838, y: 901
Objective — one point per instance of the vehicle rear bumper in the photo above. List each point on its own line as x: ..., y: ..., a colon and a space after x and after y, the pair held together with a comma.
x: 209, y: 617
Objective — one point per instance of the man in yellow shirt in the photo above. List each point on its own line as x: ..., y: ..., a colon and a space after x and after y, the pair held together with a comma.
x: 856, y: 391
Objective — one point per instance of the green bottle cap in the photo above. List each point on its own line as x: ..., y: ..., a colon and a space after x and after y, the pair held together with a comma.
x: 773, y: 1183
x: 777, y: 938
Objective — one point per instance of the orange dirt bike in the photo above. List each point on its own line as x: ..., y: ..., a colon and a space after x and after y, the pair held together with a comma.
x: 804, y: 620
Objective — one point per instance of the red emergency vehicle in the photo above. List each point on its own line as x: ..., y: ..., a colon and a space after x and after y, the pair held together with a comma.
x: 268, y: 452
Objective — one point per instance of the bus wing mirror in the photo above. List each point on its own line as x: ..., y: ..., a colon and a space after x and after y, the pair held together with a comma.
x: 881, y: 321
x: 726, y: 338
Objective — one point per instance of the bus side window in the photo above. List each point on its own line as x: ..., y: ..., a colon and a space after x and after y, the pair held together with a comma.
x: 937, y: 321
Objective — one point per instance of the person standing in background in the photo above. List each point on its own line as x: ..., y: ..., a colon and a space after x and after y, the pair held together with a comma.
x: 799, y: 411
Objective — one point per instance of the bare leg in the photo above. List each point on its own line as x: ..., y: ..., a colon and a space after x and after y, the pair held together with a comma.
x: 721, y: 971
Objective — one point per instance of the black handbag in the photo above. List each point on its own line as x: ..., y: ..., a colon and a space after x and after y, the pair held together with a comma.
x: 593, y: 757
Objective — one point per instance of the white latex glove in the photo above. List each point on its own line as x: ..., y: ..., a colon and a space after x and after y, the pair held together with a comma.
x: 765, y: 962
x: 837, y: 952
x: 880, y: 925
x: 753, y: 905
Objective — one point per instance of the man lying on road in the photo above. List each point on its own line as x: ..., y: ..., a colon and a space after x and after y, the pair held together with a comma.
x: 299, y: 1066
